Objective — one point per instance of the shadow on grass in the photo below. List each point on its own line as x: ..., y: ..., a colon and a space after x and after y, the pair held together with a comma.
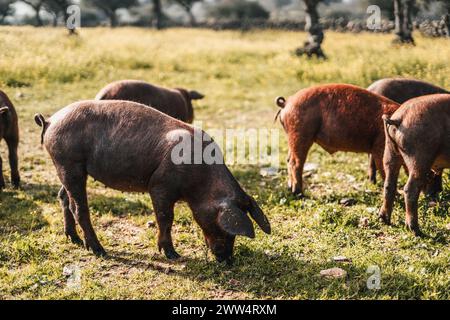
x: 283, y: 276
x: 20, y: 210
x: 18, y: 214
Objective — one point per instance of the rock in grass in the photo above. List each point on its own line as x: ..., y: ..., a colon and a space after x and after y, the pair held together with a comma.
x: 334, y: 273
x: 348, y: 202
x: 310, y: 167
x: 268, y: 172
x: 363, y: 222
x: 341, y: 259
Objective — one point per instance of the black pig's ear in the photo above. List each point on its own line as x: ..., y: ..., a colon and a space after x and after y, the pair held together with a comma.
x: 3, y: 110
x: 195, y: 95
x: 235, y: 222
x: 280, y: 101
x: 391, y: 122
x: 258, y: 215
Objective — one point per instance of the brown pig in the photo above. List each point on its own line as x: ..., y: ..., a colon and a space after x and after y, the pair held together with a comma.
x: 400, y: 90
x: 418, y: 134
x: 338, y: 117
x: 9, y: 130
x: 131, y: 147
x: 176, y: 103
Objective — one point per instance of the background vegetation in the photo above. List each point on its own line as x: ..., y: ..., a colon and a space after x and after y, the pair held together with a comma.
x: 43, y: 70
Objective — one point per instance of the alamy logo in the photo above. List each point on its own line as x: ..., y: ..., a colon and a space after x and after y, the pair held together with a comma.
x: 242, y: 146
x: 74, y: 17
x: 374, y: 280
x: 374, y: 20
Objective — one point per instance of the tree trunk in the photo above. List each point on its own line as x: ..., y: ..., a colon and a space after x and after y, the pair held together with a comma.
x: 314, y: 28
x: 112, y: 19
x: 72, y: 29
x: 192, y: 20
x: 39, y: 22
x: 446, y: 20
x: 403, y: 21
x: 157, y: 15
x: 54, y: 19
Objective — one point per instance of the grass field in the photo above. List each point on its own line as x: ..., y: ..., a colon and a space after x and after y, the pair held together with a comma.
x: 43, y: 70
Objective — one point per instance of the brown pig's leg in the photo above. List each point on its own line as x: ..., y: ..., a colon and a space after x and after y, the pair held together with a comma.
x: 13, y: 161
x: 2, y: 180
x: 412, y: 191
x: 69, y: 220
x: 377, y: 156
x: 74, y: 181
x: 289, y: 170
x: 434, y: 184
x: 297, y: 159
x: 372, y: 170
x: 392, y: 165
x: 164, y: 217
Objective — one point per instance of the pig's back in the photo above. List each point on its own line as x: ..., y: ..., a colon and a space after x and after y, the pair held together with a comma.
x: 401, y: 89
x: 168, y: 101
x: 121, y: 143
x: 346, y: 105
x: 347, y: 117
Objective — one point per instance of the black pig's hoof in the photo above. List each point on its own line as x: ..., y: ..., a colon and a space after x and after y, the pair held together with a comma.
x: 97, y: 250
x: 16, y: 183
x: 75, y: 239
x: 100, y: 252
x: 171, y: 254
x: 383, y: 218
x: 416, y: 231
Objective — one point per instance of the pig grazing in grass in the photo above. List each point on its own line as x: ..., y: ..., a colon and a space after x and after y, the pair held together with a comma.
x: 401, y: 90
x: 130, y: 147
x: 338, y: 117
x: 9, y: 130
x: 176, y: 103
x: 418, y: 134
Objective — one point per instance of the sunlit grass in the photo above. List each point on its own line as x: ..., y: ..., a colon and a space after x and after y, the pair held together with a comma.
x: 43, y: 70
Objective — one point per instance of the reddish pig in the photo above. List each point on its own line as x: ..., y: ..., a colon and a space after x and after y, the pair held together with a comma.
x: 338, y: 117
x: 9, y: 130
x: 400, y: 90
x: 130, y: 147
x: 418, y: 134
x: 176, y: 103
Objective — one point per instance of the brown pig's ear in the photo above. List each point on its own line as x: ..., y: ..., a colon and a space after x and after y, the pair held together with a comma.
x: 390, y: 122
x: 235, y: 222
x: 258, y: 215
x: 3, y: 110
x: 195, y: 95
x: 280, y: 101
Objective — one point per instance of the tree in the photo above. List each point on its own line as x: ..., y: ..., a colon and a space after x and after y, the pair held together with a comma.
x: 187, y: 5
x: 110, y: 7
x: 36, y: 5
x: 312, y: 45
x: 403, y: 21
x: 5, y: 9
x: 446, y: 17
x: 157, y: 15
x: 59, y: 8
x: 239, y: 10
